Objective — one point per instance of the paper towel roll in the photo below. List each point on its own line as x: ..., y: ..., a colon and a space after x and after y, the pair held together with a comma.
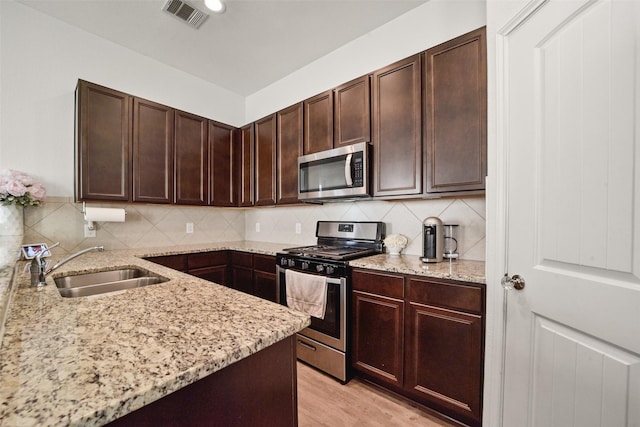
x: 104, y: 214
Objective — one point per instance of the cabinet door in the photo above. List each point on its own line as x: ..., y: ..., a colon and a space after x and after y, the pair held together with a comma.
x: 246, y: 165
x: 289, y: 148
x: 191, y: 159
x: 377, y: 337
x: 397, y: 129
x: 152, y: 152
x: 242, y: 279
x: 456, y: 114
x: 318, y: 123
x: 264, y: 285
x: 217, y: 274
x: 104, y: 143
x: 265, y: 146
x: 444, y: 361
x: 222, y: 165
x: 352, y: 112
x: 444, y: 346
x: 177, y: 262
x: 378, y: 325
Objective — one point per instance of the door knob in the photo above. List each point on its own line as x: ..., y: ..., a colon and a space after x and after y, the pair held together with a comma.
x: 514, y: 282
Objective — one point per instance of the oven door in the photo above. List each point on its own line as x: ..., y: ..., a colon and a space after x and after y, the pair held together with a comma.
x: 332, y: 329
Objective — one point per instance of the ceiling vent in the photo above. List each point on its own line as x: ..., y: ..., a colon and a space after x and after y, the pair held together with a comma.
x: 185, y: 12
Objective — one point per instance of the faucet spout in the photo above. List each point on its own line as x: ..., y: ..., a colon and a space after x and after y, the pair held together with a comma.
x: 72, y: 256
x: 39, y: 270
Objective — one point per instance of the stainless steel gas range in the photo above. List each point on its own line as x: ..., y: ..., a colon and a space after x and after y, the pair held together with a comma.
x: 316, y: 279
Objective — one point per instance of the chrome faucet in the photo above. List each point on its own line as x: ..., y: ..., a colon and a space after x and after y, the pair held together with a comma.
x: 39, y: 266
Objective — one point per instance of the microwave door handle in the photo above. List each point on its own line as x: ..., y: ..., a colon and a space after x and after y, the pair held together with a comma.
x: 347, y: 171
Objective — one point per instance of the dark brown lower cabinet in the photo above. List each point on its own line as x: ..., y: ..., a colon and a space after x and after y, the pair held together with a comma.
x: 260, y: 390
x: 264, y: 277
x: 421, y: 338
x: 255, y: 274
x: 212, y: 266
x: 378, y: 319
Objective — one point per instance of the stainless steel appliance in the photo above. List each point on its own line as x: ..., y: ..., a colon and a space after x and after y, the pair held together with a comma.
x: 334, y: 174
x: 433, y: 242
x: 324, y: 344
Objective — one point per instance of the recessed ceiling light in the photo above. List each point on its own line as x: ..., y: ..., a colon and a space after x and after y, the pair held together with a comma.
x: 215, y: 5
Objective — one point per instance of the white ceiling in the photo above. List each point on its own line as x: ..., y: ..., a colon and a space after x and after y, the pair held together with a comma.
x: 253, y: 44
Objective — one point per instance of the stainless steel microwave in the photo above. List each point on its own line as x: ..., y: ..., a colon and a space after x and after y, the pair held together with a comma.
x: 334, y: 174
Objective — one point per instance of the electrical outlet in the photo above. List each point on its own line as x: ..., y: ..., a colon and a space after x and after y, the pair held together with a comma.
x: 189, y: 227
x: 257, y: 227
x: 298, y: 228
x: 89, y: 233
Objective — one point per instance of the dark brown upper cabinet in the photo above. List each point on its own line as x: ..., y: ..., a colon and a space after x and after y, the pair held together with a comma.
x: 152, y: 152
x: 289, y: 148
x: 318, y: 123
x: 265, y: 161
x: 223, y: 165
x: 397, y: 129
x: 247, y: 154
x: 191, y: 159
x: 456, y: 114
x: 104, y: 133
x: 352, y: 112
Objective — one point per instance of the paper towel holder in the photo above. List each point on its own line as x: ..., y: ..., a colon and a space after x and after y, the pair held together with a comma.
x: 90, y: 223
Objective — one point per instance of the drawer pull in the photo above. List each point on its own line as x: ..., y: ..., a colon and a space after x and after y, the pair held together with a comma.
x: 304, y: 344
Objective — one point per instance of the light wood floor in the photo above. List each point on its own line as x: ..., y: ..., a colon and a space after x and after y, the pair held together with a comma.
x: 323, y: 401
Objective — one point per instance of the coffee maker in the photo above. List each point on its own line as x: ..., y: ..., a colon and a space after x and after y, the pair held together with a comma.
x: 433, y: 240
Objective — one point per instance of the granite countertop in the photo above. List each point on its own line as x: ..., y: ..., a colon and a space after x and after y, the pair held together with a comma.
x: 462, y: 270
x: 87, y: 361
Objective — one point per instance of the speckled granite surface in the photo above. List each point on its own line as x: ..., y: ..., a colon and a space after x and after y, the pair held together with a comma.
x: 463, y: 270
x: 87, y: 361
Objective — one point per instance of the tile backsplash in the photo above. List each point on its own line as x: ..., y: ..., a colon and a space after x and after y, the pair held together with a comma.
x: 59, y: 219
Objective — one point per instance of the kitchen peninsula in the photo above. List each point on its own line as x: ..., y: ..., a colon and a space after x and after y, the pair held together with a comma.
x: 89, y: 361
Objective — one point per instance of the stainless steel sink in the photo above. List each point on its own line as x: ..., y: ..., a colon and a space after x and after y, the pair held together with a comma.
x: 82, y: 285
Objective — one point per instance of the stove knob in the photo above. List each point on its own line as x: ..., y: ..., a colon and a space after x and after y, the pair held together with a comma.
x: 319, y: 268
x: 305, y: 265
x: 283, y: 261
x: 330, y: 269
x: 292, y: 263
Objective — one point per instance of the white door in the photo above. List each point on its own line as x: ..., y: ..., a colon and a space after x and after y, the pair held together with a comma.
x: 571, y: 88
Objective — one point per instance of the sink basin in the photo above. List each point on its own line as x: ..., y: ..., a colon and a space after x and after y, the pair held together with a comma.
x: 82, y: 285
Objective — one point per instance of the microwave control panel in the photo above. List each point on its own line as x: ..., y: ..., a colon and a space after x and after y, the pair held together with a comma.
x: 358, y: 175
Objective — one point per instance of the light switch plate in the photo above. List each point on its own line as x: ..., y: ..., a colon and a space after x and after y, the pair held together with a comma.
x: 189, y: 227
x: 257, y: 227
x: 298, y: 228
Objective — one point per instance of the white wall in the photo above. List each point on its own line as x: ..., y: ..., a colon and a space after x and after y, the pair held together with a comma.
x: 419, y: 29
x: 41, y: 59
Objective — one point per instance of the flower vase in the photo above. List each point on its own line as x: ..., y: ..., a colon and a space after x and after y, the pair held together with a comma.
x: 11, y: 220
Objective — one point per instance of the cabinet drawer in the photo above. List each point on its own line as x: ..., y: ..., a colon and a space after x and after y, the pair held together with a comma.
x: 266, y: 263
x: 378, y: 283
x: 241, y: 259
x: 453, y: 295
x: 208, y: 259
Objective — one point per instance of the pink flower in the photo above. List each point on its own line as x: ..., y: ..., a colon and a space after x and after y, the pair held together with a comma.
x: 18, y: 188
x: 37, y: 191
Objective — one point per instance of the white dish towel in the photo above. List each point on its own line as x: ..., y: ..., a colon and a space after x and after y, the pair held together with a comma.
x: 306, y: 293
